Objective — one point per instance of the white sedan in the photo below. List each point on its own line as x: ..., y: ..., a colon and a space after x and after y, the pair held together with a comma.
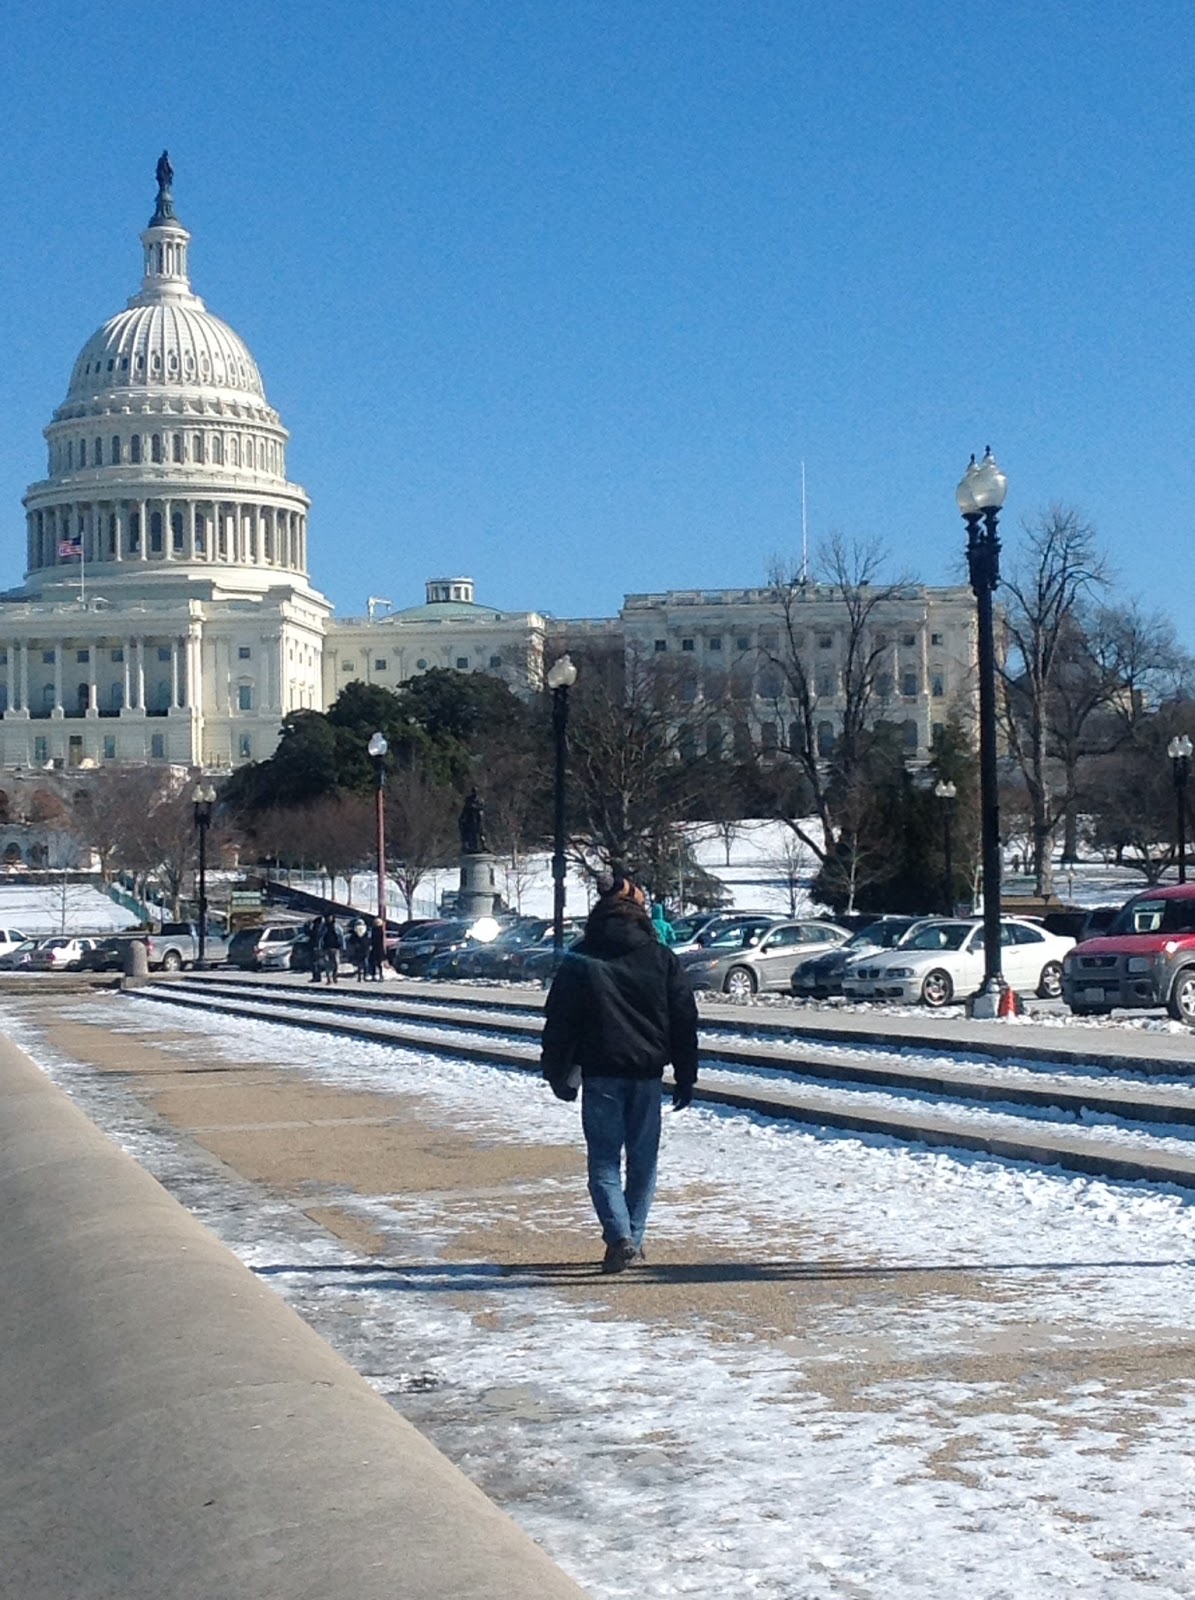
x: 943, y: 960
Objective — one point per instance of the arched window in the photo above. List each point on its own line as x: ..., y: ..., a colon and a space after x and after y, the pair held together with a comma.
x: 156, y: 447
x: 197, y: 447
x: 97, y: 454
x: 115, y: 454
x: 70, y: 454
x: 234, y: 451
x: 177, y: 447
x: 825, y: 739
x: 176, y: 530
x: 155, y: 533
x: 200, y: 531
x: 158, y: 256
x: 82, y: 452
x: 135, y: 448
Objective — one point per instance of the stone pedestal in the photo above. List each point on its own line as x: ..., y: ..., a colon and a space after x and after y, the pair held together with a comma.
x: 479, y: 889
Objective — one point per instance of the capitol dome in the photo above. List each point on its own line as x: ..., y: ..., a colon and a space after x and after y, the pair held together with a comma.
x: 165, y: 454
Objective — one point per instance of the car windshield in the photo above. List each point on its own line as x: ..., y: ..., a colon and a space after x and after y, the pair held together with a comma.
x: 1152, y: 914
x: 737, y: 935
x: 939, y: 936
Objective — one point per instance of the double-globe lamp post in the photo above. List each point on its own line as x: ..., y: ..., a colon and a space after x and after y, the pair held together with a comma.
x: 203, y: 798
x: 562, y: 674
x: 1179, y: 750
x: 377, y: 748
x: 946, y: 793
x: 980, y: 496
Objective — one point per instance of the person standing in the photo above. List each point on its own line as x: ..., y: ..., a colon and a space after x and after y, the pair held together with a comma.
x: 331, y: 943
x: 619, y: 1010
x: 377, y: 949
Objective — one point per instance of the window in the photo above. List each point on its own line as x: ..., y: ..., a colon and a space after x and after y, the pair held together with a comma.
x: 825, y: 739
x: 884, y: 685
x: 908, y: 640
x: 769, y: 684
x: 244, y: 697
x: 910, y: 733
x: 768, y: 739
x: 176, y: 447
x: 246, y: 747
x: 97, y: 452
x: 742, y: 644
x: 495, y: 663
x: 155, y: 532
x: 109, y: 747
x: 115, y: 452
x: 163, y: 652
x: 767, y: 640
x: 714, y: 738
x: 82, y: 655
x: 1023, y: 933
x: 82, y: 452
x: 936, y: 638
x: 714, y: 644
x: 462, y: 663
x: 157, y: 746
x: 156, y: 447
x: 380, y: 664
x: 908, y: 684
x: 70, y: 453
x: 421, y: 664
x: 41, y: 750
x: 176, y: 530
x: 660, y: 646
x: 881, y: 640
x: 197, y: 447
x: 937, y: 686
x: 118, y: 654
x: 825, y: 683
x: 218, y: 449
x: 244, y: 652
x: 686, y: 644
x: 47, y: 658
x: 135, y: 448
x: 825, y: 641
x: 742, y: 742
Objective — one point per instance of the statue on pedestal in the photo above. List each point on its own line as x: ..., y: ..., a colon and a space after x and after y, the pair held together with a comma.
x: 472, y: 825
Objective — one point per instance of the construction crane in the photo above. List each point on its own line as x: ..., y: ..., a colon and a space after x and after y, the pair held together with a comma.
x: 374, y: 601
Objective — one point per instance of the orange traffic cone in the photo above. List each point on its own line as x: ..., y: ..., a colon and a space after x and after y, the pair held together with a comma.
x: 1009, y: 1004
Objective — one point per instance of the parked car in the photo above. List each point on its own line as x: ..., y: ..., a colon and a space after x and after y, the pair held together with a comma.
x: 176, y: 945
x: 726, y: 924
x: 10, y: 939
x: 413, y: 954
x: 528, y: 962
x: 106, y: 955
x: 17, y: 959
x: 819, y: 976
x: 943, y: 959
x: 1146, y: 958
x: 763, y: 963
x: 539, y: 964
x: 269, y: 944
x: 59, y: 955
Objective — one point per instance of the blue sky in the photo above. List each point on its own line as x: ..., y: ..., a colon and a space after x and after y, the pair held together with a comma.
x: 561, y: 295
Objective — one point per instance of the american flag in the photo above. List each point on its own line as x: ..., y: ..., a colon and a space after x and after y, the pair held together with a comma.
x: 69, y: 549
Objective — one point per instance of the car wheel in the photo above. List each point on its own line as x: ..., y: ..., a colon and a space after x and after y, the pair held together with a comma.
x: 740, y: 983
x: 172, y: 961
x: 937, y: 988
x: 1049, y: 985
x: 1181, y: 1004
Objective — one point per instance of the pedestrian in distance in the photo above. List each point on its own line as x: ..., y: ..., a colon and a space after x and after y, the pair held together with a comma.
x: 358, y: 947
x: 313, y: 935
x: 619, y: 1010
x: 660, y: 923
x: 377, y: 949
x: 331, y: 943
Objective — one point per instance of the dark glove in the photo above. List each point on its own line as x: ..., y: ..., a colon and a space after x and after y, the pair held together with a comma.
x: 561, y: 1087
x: 682, y: 1096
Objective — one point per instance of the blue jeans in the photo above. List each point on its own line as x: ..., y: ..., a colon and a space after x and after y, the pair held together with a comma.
x: 620, y: 1114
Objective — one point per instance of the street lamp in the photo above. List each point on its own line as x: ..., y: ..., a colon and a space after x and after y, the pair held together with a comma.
x: 203, y: 798
x: 946, y: 793
x: 561, y: 677
x: 377, y: 748
x: 980, y: 496
x: 1179, y: 750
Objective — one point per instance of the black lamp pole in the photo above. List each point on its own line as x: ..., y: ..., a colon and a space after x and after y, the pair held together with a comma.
x: 377, y: 749
x: 203, y: 797
x: 980, y: 496
x: 1179, y: 750
x: 946, y: 793
x: 561, y: 677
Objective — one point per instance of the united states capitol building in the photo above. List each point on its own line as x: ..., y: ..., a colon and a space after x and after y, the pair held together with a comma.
x: 167, y: 613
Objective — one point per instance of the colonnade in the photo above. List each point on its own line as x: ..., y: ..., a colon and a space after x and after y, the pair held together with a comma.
x: 106, y: 676
x: 168, y: 529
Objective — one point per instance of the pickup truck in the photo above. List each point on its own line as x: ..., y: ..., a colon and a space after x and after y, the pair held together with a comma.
x: 1146, y: 958
x: 176, y: 945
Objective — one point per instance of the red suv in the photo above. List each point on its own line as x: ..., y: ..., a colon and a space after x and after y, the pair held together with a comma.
x: 1146, y: 958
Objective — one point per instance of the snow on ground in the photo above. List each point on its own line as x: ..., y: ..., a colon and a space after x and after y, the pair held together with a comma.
x: 843, y: 1457
x: 46, y: 908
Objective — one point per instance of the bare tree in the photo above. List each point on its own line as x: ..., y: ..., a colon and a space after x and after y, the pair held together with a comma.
x: 791, y: 865
x: 421, y: 827
x: 1059, y: 569
x: 111, y: 813
x: 849, y: 573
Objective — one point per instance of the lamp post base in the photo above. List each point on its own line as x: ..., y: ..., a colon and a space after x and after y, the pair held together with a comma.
x: 995, y: 999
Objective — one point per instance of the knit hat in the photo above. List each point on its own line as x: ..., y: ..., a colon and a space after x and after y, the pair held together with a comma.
x: 622, y: 888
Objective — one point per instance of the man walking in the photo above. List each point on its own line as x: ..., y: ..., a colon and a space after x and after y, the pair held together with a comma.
x: 618, y: 1011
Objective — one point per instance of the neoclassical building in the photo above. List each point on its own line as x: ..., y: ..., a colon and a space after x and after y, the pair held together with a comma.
x: 166, y: 612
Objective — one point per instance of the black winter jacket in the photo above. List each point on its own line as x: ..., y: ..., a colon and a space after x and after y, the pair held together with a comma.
x: 619, y: 1006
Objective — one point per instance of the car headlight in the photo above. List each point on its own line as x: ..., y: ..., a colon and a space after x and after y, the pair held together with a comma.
x: 898, y: 972
x: 1138, y: 964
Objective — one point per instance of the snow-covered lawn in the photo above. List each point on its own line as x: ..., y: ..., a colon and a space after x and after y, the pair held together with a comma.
x: 944, y: 1375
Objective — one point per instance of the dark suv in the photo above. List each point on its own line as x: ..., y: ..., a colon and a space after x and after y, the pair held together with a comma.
x: 1146, y: 958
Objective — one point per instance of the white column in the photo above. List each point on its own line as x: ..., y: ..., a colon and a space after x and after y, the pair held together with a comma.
x: 93, y: 697
x: 58, y: 675
x: 167, y: 528
x: 195, y: 667
x: 190, y: 530
x: 174, y: 699
x: 125, y: 655
x: 23, y: 674
x: 143, y: 524
x: 139, y: 672
x: 118, y: 511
